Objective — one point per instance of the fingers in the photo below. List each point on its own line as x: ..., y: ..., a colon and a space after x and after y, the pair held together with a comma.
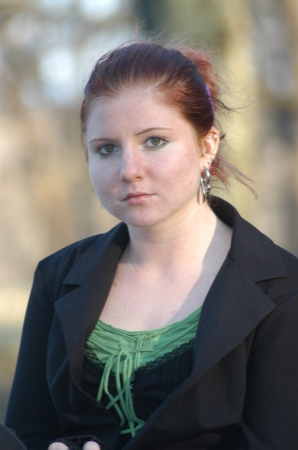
x: 91, y: 445
x: 58, y: 446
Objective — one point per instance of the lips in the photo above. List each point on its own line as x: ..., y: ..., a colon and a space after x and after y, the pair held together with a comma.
x: 135, y: 194
x: 137, y: 198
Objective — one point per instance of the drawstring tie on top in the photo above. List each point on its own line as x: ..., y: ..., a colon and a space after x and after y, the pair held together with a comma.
x: 122, y: 364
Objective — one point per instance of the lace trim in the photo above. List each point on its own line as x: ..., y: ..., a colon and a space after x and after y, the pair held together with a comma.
x: 91, y: 355
x: 165, y: 358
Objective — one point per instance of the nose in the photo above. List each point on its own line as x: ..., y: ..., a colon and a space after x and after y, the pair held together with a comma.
x: 131, y: 167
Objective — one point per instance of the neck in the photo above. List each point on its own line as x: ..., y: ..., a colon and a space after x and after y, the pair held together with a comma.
x: 166, y: 247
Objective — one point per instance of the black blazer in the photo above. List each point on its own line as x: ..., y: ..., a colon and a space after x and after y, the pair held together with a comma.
x: 242, y: 392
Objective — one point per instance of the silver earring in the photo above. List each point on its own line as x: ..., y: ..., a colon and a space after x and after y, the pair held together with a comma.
x: 205, y: 184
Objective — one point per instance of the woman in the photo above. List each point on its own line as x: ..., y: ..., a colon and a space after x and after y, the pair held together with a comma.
x: 177, y: 329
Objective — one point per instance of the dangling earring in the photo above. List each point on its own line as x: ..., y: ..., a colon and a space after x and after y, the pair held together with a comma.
x: 212, y: 170
x: 205, y: 182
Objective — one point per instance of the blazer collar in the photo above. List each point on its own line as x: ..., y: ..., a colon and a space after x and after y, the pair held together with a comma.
x: 100, y: 258
x: 251, y: 251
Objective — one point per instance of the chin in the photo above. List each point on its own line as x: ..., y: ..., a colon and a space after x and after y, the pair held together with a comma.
x: 140, y: 223
x: 141, y: 217
x: 139, y: 220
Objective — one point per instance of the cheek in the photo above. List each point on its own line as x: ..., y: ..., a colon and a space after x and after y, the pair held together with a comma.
x: 105, y: 180
x: 93, y: 173
x: 185, y: 170
x: 98, y: 177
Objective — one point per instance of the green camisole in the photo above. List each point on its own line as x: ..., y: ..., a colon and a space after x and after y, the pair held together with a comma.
x: 123, y: 352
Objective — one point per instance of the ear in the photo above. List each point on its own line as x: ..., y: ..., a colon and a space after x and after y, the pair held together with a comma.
x: 209, y: 146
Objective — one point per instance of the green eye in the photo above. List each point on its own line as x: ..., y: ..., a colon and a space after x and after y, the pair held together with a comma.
x: 107, y: 149
x: 155, y: 142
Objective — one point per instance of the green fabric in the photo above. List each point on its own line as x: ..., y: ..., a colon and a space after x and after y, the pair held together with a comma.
x: 123, y: 352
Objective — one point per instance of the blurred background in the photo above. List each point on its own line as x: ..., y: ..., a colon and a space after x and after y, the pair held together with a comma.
x: 47, y: 49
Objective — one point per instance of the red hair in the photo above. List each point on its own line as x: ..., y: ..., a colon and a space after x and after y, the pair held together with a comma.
x: 184, y: 79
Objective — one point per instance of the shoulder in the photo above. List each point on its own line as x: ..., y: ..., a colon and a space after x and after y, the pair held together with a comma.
x: 70, y: 253
x: 285, y: 288
x: 85, y: 252
x: 273, y: 269
x: 290, y: 261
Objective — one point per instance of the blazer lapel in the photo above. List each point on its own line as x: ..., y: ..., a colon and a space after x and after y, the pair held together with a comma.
x: 233, y: 308
x: 235, y: 304
x: 91, y: 278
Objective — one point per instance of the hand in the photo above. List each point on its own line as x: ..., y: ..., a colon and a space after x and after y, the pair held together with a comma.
x: 91, y: 445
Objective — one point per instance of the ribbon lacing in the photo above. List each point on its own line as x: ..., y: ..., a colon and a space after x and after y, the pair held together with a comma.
x: 121, y: 363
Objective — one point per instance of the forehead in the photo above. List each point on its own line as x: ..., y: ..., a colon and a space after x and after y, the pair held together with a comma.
x: 133, y: 107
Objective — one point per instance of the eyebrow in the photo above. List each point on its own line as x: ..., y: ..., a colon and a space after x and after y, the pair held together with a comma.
x: 138, y: 134
x: 151, y: 129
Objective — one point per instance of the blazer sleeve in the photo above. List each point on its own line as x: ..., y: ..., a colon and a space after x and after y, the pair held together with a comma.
x: 31, y: 413
x: 270, y: 419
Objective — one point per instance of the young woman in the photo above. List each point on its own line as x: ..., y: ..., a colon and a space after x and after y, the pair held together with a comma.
x: 177, y: 329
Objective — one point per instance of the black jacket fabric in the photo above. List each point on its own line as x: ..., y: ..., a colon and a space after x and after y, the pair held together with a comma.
x: 242, y: 392
x: 8, y: 440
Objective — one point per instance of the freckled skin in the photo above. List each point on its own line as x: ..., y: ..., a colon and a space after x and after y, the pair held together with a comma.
x: 169, y: 172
